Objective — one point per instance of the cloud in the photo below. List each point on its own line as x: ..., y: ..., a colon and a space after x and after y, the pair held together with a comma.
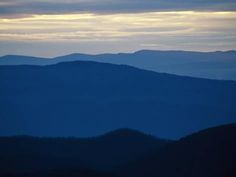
x: 91, y: 27
x: 56, y: 27
x: 128, y: 31
x: 21, y: 8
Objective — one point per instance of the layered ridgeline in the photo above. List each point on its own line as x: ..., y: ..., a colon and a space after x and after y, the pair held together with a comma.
x: 23, y: 154
x: 213, y: 65
x: 208, y: 153
x: 89, y: 98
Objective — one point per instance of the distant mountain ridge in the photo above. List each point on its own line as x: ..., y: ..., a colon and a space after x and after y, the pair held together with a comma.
x: 213, y: 65
x: 88, y: 98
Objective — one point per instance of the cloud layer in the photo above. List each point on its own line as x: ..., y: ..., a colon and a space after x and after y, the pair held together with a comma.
x: 57, y: 27
x: 93, y: 27
x: 19, y: 8
x: 186, y: 30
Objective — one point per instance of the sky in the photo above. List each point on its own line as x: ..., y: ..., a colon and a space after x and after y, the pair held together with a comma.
x: 49, y: 28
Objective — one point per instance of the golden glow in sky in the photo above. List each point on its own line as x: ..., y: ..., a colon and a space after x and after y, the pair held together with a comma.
x: 190, y: 30
x: 90, y: 27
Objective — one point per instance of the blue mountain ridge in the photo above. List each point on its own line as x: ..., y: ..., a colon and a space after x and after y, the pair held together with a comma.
x: 212, y: 65
x: 89, y: 98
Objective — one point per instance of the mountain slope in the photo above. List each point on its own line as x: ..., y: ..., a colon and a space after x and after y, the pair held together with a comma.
x: 89, y: 98
x: 214, y: 65
x: 23, y: 60
x: 209, y: 153
x: 29, y: 154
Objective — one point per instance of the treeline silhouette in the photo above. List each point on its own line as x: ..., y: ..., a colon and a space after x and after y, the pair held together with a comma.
x: 60, y: 173
x: 25, y: 154
x: 208, y: 153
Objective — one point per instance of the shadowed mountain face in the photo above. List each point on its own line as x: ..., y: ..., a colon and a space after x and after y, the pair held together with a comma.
x: 24, y: 154
x: 62, y: 172
x: 209, y: 153
x: 89, y: 98
x: 213, y: 65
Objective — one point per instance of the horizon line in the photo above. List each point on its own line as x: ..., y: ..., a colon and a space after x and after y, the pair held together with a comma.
x: 117, y: 53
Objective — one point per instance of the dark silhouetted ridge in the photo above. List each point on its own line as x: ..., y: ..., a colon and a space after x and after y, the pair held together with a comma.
x: 127, y: 132
x: 27, y: 154
x: 208, y: 153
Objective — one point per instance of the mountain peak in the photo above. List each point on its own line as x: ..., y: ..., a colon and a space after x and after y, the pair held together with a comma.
x: 126, y: 132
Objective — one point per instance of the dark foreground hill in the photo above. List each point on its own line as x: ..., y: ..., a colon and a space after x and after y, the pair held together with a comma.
x: 79, y: 172
x: 89, y: 98
x: 213, y: 65
x: 209, y: 153
x: 29, y: 155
